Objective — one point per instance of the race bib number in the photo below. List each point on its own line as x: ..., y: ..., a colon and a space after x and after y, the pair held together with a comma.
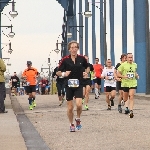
x: 130, y: 75
x: 73, y: 83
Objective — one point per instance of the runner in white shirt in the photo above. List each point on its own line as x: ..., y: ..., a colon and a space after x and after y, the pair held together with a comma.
x: 109, y: 83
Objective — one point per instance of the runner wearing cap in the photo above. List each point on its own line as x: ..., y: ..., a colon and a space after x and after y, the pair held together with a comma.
x: 30, y: 75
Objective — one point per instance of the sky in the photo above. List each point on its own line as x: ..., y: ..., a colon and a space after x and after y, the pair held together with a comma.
x: 38, y: 25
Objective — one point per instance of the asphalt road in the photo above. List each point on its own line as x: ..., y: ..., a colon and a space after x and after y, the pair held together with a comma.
x: 101, y: 129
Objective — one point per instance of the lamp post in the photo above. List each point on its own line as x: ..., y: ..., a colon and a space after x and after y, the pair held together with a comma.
x: 13, y: 14
x: 62, y: 44
x: 69, y: 34
x: 49, y: 65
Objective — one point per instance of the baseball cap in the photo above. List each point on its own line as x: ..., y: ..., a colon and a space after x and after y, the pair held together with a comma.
x: 29, y: 62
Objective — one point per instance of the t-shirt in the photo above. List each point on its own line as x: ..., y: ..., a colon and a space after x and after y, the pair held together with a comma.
x: 129, y: 70
x: 98, y: 68
x: 110, y: 74
x: 30, y: 75
x: 14, y: 80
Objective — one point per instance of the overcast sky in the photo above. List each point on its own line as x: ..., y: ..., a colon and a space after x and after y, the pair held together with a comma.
x: 38, y: 26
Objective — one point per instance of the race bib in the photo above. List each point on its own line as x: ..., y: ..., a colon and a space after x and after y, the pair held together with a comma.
x: 130, y: 75
x: 14, y: 80
x: 73, y: 83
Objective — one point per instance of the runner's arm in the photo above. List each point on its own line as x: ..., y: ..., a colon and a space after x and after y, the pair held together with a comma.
x: 61, y: 68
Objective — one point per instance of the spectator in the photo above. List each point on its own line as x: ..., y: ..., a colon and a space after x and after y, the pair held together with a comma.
x: 2, y: 86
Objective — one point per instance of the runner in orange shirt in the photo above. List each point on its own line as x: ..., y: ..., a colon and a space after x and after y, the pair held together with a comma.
x: 98, y: 68
x: 29, y: 75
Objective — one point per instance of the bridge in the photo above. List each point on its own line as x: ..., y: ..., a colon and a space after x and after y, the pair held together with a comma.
x: 141, y: 34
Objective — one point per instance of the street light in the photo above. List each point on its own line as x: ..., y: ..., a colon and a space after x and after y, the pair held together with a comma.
x: 10, y: 50
x: 69, y: 34
x: 13, y: 13
x: 11, y: 34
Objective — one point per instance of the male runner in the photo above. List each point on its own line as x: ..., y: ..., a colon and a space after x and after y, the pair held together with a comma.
x: 73, y: 66
x: 98, y: 68
x: 127, y: 71
x: 109, y: 83
x: 60, y: 84
x: 123, y: 58
x: 14, y: 81
x: 30, y: 75
x: 87, y: 83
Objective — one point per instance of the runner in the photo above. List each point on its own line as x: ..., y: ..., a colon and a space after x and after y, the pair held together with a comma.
x: 14, y: 81
x: 60, y: 84
x: 109, y: 83
x: 30, y: 75
x: 123, y: 59
x: 87, y: 83
x: 127, y: 71
x: 73, y: 65
x: 98, y: 68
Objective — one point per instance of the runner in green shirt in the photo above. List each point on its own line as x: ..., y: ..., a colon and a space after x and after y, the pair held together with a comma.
x: 127, y: 71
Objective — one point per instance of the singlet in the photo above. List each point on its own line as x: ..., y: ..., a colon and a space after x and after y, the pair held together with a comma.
x: 110, y: 73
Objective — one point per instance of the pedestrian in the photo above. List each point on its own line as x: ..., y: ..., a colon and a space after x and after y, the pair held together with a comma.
x: 15, y: 82
x: 2, y: 86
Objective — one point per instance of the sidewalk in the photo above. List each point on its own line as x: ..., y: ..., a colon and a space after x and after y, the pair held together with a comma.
x: 10, y: 135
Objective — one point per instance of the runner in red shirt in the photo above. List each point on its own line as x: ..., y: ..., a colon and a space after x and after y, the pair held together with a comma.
x: 98, y: 68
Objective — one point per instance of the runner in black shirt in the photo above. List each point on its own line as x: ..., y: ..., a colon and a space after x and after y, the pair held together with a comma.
x: 14, y: 80
x: 60, y: 85
x: 73, y: 66
x: 87, y: 83
x: 123, y: 59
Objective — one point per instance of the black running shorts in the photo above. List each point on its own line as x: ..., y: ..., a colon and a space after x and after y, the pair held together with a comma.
x: 119, y: 85
x: 109, y: 88
x: 97, y: 80
x: 74, y: 92
x: 31, y: 88
x: 126, y: 89
x: 87, y: 82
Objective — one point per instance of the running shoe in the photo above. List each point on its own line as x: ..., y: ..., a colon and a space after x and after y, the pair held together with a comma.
x: 131, y: 114
x: 31, y: 107
x: 60, y: 103
x: 112, y: 102
x: 72, y: 128
x: 86, y: 107
x: 78, y: 125
x: 63, y: 99
x: 119, y: 109
x: 109, y: 107
x: 127, y: 111
x: 33, y: 104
